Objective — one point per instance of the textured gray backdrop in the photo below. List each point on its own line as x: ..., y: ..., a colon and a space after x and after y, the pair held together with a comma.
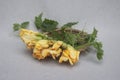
x: 16, y: 62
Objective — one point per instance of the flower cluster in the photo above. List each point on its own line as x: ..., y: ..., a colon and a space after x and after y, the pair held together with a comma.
x: 43, y: 47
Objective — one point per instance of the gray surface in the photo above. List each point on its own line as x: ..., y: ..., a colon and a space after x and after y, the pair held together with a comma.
x: 16, y: 62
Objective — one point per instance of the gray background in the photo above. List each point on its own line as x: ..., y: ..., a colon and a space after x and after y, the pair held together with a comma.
x: 16, y: 62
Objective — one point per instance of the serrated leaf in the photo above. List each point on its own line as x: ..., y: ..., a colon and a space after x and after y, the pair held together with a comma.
x: 93, y: 36
x: 69, y: 25
x: 98, y: 47
x: 16, y: 27
x: 70, y: 38
x: 24, y: 24
x: 100, y: 54
x: 49, y: 25
x: 57, y: 36
x: 38, y: 21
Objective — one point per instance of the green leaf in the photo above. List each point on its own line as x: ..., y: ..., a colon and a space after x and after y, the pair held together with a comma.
x: 57, y: 36
x: 24, y: 24
x: 38, y: 21
x: 69, y: 25
x: 98, y: 46
x: 16, y: 27
x: 93, y: 36
x: 49, y: 25
x: 83, y: 46
x: 70, y: 38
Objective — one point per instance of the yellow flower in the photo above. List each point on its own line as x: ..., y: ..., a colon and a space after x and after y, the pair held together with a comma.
x: 28, y: 36
x: 45, y: 48
x: 69, y: 54
x: 57, y: 45
x: 38, y: 49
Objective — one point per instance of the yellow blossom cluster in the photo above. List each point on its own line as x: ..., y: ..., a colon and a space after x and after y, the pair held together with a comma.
x: 43, y: 48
